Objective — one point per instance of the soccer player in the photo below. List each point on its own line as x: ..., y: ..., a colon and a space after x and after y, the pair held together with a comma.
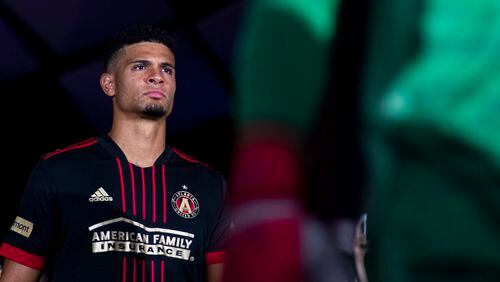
x: 124, y: 206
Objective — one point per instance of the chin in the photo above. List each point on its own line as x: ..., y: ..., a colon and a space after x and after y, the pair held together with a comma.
x: 154, y: 111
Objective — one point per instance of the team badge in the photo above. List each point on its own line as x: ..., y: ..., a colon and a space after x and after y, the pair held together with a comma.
x: 185, y: 204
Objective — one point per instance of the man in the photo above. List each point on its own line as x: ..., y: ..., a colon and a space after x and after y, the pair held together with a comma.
x: 123, y: 206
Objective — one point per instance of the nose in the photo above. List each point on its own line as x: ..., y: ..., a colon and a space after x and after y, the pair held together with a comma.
x: 155, y: 76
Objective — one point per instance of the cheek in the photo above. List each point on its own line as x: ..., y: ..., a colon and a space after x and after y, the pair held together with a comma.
x: 173, y: 90
x: 126, y: 87
x: 171, y: 96
x: 173, y: 87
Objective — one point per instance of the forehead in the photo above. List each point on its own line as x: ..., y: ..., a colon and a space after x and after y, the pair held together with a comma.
x: 147, y: 50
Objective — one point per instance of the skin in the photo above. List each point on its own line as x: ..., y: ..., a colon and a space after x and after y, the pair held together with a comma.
x: 141, y: 77
x: 214, y: 272
x: 360, y: 247
x: 16, y: 272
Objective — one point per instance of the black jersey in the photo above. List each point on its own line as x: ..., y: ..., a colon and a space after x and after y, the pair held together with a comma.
x: 87, y: 214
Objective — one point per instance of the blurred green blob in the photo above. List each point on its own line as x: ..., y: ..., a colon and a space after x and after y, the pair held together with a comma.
x: 433, y: 131
x: 282, y: 61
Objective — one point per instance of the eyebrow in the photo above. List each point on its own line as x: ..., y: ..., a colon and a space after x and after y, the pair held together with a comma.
x: 147, y: 63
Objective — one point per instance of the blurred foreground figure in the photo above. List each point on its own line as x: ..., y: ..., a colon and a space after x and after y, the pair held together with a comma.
x: 282, y: 75
x: 434, y: 131
x: 431, y: 127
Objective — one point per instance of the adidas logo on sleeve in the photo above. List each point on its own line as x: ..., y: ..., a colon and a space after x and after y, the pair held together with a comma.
x: 100, y: 196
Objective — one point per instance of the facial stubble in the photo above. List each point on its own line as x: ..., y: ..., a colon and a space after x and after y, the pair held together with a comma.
x: 154, y: 111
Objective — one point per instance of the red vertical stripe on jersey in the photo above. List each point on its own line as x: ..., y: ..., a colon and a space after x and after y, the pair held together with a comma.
x: 164, y: 186
x: 153, y: 175
x: 132, y: 180
x: 124, y: 269
x: 152, y: 271
x: 162, y: 275
x: 143, y: 270
x: 124, y: 206
x: 143, y: 194
x: 134, y: 271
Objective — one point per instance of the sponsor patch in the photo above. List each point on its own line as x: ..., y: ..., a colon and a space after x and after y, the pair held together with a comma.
x: 185, y: 204
x: 22, y: 226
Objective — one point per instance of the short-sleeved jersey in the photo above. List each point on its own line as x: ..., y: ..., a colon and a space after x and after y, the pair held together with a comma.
x: 88, y: 214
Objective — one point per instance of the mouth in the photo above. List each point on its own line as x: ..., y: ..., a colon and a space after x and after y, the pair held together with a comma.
x: 155, y: 94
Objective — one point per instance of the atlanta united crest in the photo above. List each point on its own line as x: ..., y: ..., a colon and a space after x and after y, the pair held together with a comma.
x: 185, y: 204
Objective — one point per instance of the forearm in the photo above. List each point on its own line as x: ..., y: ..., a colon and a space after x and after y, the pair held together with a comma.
x: 214, y: 272
x: 16, y: 272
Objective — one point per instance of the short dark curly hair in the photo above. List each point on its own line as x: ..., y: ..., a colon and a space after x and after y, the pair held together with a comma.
x: 132, y: 35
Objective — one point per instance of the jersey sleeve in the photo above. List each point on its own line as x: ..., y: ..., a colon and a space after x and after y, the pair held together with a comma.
x: 219, y: 234
x: 30, y: 236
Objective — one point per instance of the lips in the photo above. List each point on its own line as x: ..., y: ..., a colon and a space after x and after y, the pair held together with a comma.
x: 155, y: 94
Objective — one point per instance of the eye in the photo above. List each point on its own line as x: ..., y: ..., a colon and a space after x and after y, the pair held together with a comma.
x: 138, y: 66
x: 168, y: 70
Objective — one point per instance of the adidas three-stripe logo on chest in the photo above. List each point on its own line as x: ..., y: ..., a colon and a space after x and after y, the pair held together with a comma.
x: 100, y: 196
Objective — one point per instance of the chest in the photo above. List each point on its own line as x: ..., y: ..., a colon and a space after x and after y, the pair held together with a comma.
x: 162, y: 211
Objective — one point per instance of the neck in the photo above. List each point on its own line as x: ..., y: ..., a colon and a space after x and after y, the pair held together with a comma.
x: 142, y: 142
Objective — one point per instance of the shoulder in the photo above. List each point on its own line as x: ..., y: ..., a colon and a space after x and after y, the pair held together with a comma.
x: 182, y: 158
x: 57, y: 165
x: 71, y: 154
x: 73, y: 149
x: 193, y: 165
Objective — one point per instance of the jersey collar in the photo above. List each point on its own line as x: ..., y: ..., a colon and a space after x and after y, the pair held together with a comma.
x: 112, y: 148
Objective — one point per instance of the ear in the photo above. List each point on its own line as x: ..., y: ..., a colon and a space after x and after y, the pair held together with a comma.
x: 108, y: 84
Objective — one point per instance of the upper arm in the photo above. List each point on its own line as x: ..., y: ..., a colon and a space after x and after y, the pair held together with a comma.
x: 14, y: 272
x: 31, y: 236
x: 214, y: 256
x: 219, y: 226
